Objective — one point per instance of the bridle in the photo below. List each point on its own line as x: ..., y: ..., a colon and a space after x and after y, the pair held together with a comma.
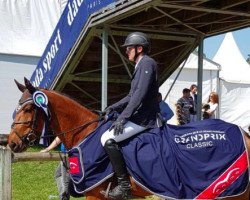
x: 30, y: 137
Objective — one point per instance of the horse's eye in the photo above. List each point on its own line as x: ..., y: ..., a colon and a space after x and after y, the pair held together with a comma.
x: 28, y: 110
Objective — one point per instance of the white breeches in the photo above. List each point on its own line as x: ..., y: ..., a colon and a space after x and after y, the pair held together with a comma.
x: 130, y: 129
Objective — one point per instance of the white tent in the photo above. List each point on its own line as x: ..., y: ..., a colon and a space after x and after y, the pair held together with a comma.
x: 234, y: 102
x: 187, y: 77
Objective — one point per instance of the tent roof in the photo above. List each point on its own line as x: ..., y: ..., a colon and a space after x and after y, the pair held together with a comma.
x: 234, y: 67
x: 192, y: 63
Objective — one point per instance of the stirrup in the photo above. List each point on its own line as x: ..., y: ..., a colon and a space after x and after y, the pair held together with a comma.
x: 105, y: 193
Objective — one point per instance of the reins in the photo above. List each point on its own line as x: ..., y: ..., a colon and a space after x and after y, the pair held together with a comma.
x: 63, y: 158
x: 73, y: 129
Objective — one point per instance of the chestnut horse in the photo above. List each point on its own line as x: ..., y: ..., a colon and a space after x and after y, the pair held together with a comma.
x: 68, y: 117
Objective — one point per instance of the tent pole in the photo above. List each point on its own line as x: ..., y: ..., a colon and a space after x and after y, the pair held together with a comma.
x: 184, y: 63
x: 104, y: 67
x: 219, y: 89
x: 200, y: 79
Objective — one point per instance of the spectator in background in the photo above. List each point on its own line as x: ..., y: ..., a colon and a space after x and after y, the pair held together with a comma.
x: 193, y: 101
x: 213, y: 104
x: 183, y: 107
x: 165, y: 110
x: 61, y: 174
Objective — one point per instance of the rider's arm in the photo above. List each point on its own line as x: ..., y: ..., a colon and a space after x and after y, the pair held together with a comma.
x: 122, y: 103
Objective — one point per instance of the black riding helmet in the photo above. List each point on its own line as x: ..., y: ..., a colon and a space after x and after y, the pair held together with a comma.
x: 138, y: 38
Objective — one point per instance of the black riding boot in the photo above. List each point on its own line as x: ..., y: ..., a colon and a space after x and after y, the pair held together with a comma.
x: 123, y: 189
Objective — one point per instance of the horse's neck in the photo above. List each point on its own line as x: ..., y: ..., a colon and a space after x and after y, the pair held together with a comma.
x: 67, y: 115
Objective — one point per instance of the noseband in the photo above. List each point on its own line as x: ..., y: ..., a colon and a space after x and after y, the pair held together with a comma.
x: 27, y: 138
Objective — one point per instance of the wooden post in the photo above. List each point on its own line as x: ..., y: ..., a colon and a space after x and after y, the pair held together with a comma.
x: 5, y: 173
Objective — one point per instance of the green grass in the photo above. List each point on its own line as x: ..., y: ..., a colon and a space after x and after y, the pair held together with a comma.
x: 34, y: 180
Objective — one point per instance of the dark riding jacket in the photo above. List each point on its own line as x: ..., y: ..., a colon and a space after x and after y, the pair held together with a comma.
x: 141, y: 105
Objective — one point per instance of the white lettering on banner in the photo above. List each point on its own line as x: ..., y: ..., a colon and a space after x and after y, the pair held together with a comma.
x: 74, y: 7
x: 93, y: 4
x: 38, y: 77
x: 39, y: 73
x: 73, y: 10
x: 51, y: 54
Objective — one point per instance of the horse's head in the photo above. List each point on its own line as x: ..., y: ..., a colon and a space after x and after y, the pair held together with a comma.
x: 26, y: 128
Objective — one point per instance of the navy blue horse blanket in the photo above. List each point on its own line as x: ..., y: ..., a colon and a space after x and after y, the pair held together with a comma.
x: 201, y: 160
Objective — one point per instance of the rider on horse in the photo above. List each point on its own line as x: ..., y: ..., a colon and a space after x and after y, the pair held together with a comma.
x: 138, y: 110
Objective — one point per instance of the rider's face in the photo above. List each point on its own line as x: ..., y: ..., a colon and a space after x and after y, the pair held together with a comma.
x: 130, y: 51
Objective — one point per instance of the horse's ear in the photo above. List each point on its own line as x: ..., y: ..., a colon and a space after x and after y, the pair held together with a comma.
x: 20, y: 86
x: 29, y: 86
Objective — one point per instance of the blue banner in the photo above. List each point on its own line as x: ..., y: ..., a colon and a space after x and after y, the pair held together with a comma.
x: 72, y: 21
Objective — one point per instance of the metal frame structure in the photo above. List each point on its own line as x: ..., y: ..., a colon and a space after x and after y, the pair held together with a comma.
x: 97, y: 72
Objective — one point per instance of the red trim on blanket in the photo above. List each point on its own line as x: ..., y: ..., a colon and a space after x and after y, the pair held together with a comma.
x: 226, y: 179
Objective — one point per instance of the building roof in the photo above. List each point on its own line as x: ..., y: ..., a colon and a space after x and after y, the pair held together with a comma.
x: 175, y: 27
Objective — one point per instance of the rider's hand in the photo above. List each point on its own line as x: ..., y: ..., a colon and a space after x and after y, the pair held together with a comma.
x: 108, y: 110
x: 118, y: 126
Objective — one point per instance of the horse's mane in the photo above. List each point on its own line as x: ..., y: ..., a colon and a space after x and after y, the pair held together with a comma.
x: 68, y: 97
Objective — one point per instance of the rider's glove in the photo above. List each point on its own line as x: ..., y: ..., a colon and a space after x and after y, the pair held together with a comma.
x: 108, y: 110
x: 118, y: 126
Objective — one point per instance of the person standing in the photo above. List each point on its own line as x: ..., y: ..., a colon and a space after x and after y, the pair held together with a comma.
x: 139, y: 109
x: 62, y: 176
x: 213, y: 101
x: 193, y: 101
x: 183, y: 106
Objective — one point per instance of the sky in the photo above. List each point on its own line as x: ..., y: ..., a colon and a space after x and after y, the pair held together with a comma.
x: 242, y: 38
